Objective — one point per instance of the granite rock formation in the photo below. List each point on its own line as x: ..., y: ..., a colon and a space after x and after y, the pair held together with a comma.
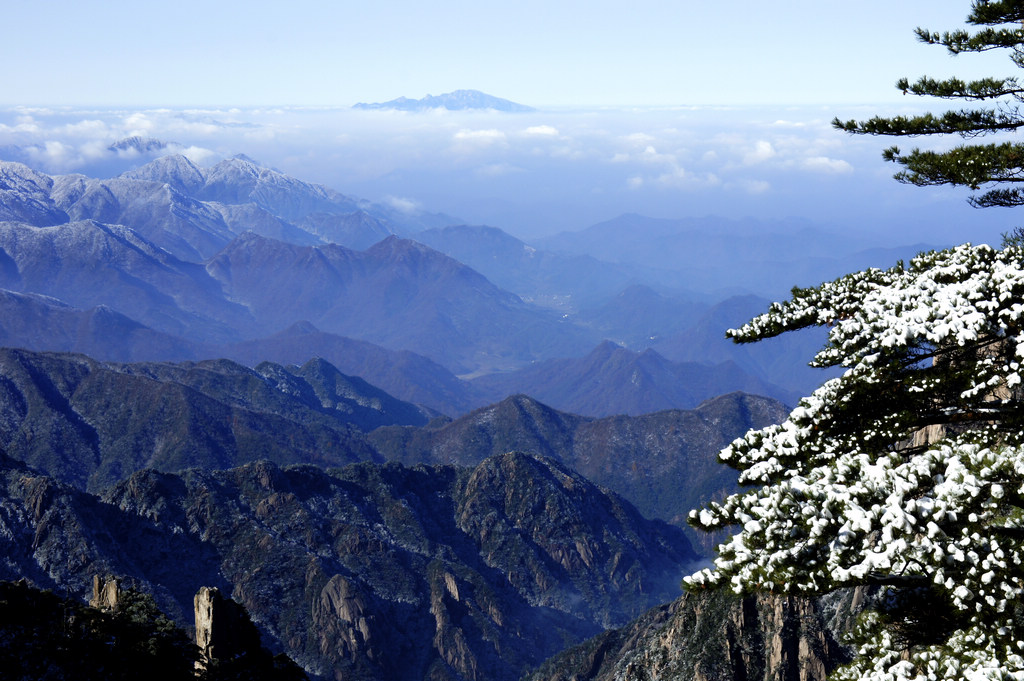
x: 368, y: 571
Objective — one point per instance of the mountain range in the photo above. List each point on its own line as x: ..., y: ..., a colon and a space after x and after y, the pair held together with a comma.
x: 199, y: 281
x: 240, y: 261
x: 479, y: 565
x: 91, y: 424
x: 547, y: 278
x: 458, y: 100
x: 641, y: 382
x: 266, y: 406
x: 727, y: 257
x: 663, y: 462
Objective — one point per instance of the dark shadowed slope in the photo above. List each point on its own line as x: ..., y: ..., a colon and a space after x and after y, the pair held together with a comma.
x: 366, y: 572
x: 665, y: 462
x: 92, y: 424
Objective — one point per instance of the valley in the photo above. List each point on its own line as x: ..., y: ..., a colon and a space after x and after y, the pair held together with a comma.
x: 411, y: 448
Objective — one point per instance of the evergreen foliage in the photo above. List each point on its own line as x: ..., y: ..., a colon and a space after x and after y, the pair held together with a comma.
x: 905, y: 473
x: 44, y: 636
x: 996, y: 166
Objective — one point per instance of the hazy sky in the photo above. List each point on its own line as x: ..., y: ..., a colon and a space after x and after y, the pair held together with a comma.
x: 538, y: 52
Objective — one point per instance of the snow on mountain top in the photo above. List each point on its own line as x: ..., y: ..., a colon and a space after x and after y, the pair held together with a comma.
x: 174, y: 170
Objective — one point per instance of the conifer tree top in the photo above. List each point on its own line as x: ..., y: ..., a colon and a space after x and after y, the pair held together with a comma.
x: 992, y: 106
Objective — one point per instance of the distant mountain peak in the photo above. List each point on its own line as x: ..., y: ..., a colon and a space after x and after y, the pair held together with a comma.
x: 397, y: 248
x: 459, y: 100
x: 247, y: 159
x: 15, y: 175
x: 240, y: 164
x: 138, y: 144
x: 302, y: 328
x: 607, y: 348
x: 174, y: 169
x: 244, y: 161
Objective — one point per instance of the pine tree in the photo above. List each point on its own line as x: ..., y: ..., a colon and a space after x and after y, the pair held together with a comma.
x: 905, y: 473
x: 999, y: 166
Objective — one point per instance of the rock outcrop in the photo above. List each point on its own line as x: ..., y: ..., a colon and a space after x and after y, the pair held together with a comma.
x: 224, y: 631
x: 105, y: 592
x: 718, y: 637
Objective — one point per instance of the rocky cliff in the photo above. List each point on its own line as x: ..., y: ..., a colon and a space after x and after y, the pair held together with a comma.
x: 665, y: 462
x: 225, y: 635
x: 717, y: 637
x: 364, y: 572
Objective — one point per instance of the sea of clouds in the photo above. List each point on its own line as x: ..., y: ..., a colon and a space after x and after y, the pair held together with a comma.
x: 537, y: 173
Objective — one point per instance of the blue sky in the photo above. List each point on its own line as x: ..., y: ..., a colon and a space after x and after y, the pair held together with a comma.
x: 539, y: 52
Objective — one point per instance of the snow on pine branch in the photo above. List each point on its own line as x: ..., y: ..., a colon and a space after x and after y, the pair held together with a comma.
x: 841, y: 494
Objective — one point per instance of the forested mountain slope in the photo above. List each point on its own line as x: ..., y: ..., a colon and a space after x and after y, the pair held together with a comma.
x: 92, y: 424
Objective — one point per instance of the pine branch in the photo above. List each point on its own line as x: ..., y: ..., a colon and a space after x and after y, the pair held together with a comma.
x: 970, y: 166
x: 958, y: 42
x: 954, y: 88
x: 996, y: 12
x: 906, y: 581
x: 966, y: 123
x: 1016, y: 533
x: 1003, y: 198
x: 916, y: 354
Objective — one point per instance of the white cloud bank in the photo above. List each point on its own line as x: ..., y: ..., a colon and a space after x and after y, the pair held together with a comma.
x: 828, y: 165
x: 762, y: 151
x: 403, y: 205
x: 528, y: 173
x: 541, y: 131
x: 480, y: 136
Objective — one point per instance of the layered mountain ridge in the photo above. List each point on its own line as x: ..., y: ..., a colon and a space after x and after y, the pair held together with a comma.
x: 241, y: 261
x: 370, y: 537
x: 371, y: 572
x: 642, y: 382
x: 91, y: 424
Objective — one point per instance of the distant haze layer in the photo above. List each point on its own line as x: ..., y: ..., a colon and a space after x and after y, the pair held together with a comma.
x: 537, y: 173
